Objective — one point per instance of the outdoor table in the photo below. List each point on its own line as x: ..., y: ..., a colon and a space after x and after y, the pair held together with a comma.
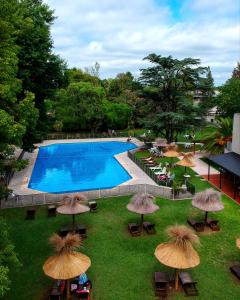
x: 186, y: 176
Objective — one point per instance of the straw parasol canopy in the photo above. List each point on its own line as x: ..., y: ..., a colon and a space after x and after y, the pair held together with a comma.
x: 66, y: 263
x: 178, y: 253
x: 73, y: 206
x: 186, y: 161
x: 161, y: 142
x: 238, y: 243
x: 172, y: 151
x: 208, y: 200
x: 142, y: 204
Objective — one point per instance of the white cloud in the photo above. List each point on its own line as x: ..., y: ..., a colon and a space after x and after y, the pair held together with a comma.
x: 119, y: 34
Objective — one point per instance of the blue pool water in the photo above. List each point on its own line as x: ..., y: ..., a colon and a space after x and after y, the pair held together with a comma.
x: 61, y: 168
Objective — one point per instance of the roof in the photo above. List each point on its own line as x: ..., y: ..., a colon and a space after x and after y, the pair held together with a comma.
x: 228, y: 161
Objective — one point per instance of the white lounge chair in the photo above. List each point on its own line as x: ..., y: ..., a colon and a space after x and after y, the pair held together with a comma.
x: 159, y: 167
x: 161, y: 172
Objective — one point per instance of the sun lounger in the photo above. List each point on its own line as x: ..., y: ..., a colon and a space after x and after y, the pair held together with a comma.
x: 188, y: 284
x: 81, y: 230
x: 30, y: 213
x: 63, y: 231
x: 161, y: 284
x: 149, y: 227
x: 57, y: 291
x: 161, y: 172
x: 197, y: 225
x: 235, y: 269
x: 93, y: 206
x: 213, y: 224
x: 51, y: 211
x: 147, y: 158
x: 134, y: 229
x: 158, y: 167
x: 151, y: 164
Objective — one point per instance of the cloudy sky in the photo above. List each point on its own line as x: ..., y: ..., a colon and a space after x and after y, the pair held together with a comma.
x: 119, y: 34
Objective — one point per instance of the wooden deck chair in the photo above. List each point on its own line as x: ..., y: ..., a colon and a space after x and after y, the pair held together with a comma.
x: 188, y: 284
x: 134, y: 229
x: 161, y: 284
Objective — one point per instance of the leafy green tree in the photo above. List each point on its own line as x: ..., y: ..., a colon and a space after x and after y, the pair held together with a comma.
x: 11, y: 132
x: 40, y: 71
x: 79, y: 106
x: 169, y: 84
x: 125, y: 89
x: 116, y: 114
x: 236, y: 71
x: 217, y: 134
x: 93, y: 71
x: 58, y: 126
x: 228, y: 101
x: 9, y: 83
x: 28, y: 116
x: 77, y: 75
x: 206, y: 89
x: 8, y: 258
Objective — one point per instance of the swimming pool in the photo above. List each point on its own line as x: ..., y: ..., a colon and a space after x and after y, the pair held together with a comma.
x: 71, y: 167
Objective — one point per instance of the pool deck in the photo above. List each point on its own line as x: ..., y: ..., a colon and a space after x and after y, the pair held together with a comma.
x: 19, y: 182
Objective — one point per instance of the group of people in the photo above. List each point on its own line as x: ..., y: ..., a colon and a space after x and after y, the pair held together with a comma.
x: 82, y: 286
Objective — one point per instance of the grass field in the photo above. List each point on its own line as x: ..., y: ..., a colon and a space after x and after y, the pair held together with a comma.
x: 122, y: 266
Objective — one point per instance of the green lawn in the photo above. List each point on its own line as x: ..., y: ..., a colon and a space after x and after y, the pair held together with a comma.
x: 122, y: 266
x: 179, y: 171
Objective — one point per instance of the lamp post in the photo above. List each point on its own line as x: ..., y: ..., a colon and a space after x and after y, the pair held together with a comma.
x: 192, y: 136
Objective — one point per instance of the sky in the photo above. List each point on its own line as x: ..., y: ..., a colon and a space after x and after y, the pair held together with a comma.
x: 119, y: 34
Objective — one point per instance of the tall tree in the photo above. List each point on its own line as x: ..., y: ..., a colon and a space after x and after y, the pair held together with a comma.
x: 228, y: 101
x: 125, y: 89
x: 169, y: 84
x: 41, y: 71
x: 79, y: 106
x: 10, y: 20
x: 206, y: 89
x: 236, y: 71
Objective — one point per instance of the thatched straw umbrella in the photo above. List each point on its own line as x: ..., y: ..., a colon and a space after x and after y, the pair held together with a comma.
x: 186, y: 161
x: 73, y: 206
x: 178, y: 253
x: 208, y: 200
x: 238, y: 243
x: 142, y: 204
x: 171, y: 152
x: 66, y: 263
x: 162, y: 143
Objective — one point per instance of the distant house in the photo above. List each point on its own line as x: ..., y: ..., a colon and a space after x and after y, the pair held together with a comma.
x: 198, y: 98
x: 229, y: 162
x: 236, y: 134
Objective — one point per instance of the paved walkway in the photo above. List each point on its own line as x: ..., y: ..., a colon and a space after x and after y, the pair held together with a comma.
x: 201, y: 167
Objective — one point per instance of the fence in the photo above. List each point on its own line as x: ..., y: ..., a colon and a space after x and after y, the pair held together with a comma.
x: 178, y: 191
x: 147, y: 170
x: 88, y: 135
x: 123, y: 190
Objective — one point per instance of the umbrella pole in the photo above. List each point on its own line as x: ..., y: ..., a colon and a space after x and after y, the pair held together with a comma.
x: 141, y: 222
x: 73, y: 220
x: 176, y: 279
x: 205, y: 219
x: 68, y: 290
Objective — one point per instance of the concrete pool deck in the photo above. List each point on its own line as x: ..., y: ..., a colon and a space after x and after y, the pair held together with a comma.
x: 20, y: 180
